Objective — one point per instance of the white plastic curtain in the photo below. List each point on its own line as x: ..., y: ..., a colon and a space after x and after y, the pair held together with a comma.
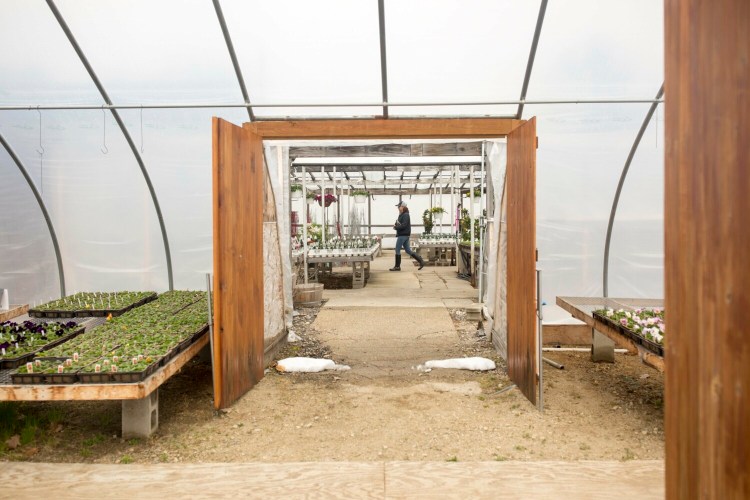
x: 325, y: 51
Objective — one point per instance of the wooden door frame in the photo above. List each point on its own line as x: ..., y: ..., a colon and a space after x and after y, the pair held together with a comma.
x: 437, y: 128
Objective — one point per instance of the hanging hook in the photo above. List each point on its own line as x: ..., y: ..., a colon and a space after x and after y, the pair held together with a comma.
x: 105, y: 149
x: 40, y: 151
x: 141, y: 129
x: 41, y: 148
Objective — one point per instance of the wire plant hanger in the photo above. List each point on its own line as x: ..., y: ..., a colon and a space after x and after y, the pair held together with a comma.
x: 40, y: 152
x: 104, y: 149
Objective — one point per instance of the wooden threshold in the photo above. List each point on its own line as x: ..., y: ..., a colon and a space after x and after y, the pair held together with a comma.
x: 497, y: 480
x: 97, y: 392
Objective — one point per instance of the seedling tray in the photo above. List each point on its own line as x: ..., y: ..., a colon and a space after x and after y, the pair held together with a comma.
x: 649, y: 345
x: 10, y: 363
x: 81, y: 313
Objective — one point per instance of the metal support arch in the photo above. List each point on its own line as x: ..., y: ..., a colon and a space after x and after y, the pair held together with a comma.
x: 43, y: 207
x: 624, y: 174
x: 124, y: 130
x: 233, y: 56
x: 383, y: 60
x: 532, y: 56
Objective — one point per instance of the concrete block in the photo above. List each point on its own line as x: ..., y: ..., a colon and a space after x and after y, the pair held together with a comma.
x: 602, y: 348
x: 140, y: 417
x: 474, y: 312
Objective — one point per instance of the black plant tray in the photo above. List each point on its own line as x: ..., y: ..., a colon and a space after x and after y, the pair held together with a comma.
x: 28, y: 378
x: 131, y: 377
x: 81, y: 313
x: 10, y: 363
x: 35, y: 313
x: 636, y: 338
x: 45, y: 378
x: 95, y: 378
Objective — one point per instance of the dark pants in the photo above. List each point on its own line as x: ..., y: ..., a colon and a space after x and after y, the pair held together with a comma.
x: 403, y: 241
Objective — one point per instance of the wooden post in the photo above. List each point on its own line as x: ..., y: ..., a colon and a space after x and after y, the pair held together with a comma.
x: 707, y: 248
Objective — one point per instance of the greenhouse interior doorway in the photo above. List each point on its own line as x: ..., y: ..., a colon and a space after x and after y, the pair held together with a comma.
x: 238, y: 219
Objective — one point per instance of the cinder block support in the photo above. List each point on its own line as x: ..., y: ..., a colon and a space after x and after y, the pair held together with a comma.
x: 358, y: 275
x: 602, y: 348
x: 140, y: 417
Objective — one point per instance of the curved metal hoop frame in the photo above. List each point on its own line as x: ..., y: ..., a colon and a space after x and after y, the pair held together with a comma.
x: 125, y: 132
x: 43, y: 207
x: 624, y: 174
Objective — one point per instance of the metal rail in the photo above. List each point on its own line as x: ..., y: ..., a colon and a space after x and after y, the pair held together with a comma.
x: 121, y: 124
x: 43, y: 207
x: 633, y: 149
x: 109, y: 105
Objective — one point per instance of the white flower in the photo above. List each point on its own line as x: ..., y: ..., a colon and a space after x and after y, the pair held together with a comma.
x: 628, y: 315
x: 610, y: 312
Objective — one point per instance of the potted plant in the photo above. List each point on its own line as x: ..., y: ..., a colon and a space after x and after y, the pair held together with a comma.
x: 427, y: 221
x: 296, y: 190
x: 311, y: 198
x: 329, y: 198
x: 437, y: 214
x: 360, y: 196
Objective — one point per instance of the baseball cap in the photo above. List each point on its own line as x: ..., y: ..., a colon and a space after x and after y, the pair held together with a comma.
x: 401, y: 204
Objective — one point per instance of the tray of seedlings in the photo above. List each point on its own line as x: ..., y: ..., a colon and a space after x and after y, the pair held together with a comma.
x: 85, y: 304
x: 47, y: 370
x: 644, y: 326
x: 19, y: 342
x: 128, y: 348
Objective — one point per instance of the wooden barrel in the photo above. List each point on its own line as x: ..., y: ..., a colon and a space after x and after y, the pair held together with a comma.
x: 308, y: 295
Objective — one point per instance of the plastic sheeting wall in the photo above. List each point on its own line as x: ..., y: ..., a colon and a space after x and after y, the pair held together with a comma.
x: 100, y: 205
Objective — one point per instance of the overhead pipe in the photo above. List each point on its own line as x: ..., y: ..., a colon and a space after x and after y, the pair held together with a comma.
x: 512, y: 102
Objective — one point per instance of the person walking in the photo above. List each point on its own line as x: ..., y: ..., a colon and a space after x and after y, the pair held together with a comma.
x: 403, y: 231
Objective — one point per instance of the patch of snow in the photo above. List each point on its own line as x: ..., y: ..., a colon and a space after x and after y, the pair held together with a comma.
x: 308, y: 365
x: 476, y: 364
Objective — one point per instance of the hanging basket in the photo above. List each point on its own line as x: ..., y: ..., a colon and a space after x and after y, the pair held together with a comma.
x: 437, y: 217
x: 360, y: 198
x: 296, y: 195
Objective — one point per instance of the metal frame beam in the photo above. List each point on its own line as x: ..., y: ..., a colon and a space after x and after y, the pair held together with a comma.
x: 233, y: 56
x: 383, y: 60
x: 633, y: 149
x: 124, y: 130
x: 532, y: 56
x: 45, y: 107
x: 43, y: 207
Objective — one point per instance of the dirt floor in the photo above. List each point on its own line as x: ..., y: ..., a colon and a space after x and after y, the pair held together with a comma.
x: 592, y: 412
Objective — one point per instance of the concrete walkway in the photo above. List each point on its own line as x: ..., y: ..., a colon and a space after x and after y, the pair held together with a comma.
x: 399, y: 320
x: 351, y: 480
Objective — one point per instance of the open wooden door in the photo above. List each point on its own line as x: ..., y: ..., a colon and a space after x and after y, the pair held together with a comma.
x: 238, y: 186
x: 521, y: 243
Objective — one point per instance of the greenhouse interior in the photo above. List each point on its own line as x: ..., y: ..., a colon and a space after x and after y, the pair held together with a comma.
x: 426, y: 245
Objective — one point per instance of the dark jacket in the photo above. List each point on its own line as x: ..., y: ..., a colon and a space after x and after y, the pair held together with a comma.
x: 403, y: 225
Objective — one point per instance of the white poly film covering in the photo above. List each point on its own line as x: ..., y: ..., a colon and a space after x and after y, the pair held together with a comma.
x: 328, y: 52
x: 582, y: 151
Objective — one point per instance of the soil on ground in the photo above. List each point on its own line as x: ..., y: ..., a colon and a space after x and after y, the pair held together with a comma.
x: 592, y: 412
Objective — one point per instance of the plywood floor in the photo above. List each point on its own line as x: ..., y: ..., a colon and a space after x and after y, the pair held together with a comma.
x: 427, y: 480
